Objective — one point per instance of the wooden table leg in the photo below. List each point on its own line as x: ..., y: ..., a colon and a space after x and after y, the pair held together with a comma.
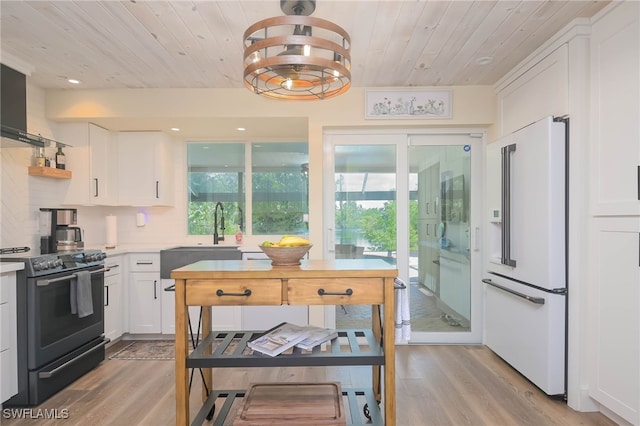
x: 206, y: 330
x: 389, y: 353
x: 182, y: 380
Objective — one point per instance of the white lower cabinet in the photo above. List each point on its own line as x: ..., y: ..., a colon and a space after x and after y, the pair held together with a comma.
x: 113, y: 298
x: 615, y: 312
x: 145, y: 293
x: 8, y: 337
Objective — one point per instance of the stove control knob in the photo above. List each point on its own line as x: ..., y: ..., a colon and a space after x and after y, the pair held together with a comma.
x: 39, y: 266
x: 57, y: 263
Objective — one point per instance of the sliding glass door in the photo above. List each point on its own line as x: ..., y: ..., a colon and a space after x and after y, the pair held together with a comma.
x: 410, y: 200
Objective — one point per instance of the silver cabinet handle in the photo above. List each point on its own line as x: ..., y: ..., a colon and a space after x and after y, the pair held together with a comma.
x: 506, y: 205
x: 536, y: 300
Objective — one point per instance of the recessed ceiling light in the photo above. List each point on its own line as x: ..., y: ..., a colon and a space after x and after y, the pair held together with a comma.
x: 73, y: 81
x: 240, y: 129
x: 175, y: 129
x: 484, y: 60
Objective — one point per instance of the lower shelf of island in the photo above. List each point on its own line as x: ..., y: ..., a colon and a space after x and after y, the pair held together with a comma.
x: 229, y: 349
x: 361, y: 407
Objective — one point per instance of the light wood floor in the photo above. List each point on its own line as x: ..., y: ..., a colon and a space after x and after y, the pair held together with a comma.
x: 436, y: 385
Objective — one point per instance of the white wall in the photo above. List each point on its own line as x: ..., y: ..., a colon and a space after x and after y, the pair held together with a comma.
x: 23, y: 195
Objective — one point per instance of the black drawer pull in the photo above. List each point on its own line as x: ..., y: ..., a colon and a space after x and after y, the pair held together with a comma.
x: 322, y: 292
x: 220, y: 292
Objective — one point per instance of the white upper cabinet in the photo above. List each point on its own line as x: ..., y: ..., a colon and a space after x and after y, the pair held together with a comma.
x: 615, y: 133
x: 145, y: 176
x: 92, y: 158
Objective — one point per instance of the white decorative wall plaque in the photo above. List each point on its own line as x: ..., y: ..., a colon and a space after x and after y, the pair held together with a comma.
x: 408, y: 104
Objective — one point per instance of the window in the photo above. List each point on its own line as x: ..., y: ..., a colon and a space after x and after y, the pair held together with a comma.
x: 277, y: 184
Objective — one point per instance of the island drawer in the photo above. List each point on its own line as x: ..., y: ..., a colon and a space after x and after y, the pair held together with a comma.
x: 323, y: 291
x: 221, y: 292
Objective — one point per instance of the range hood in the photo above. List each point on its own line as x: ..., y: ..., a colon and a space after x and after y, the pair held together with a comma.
x: 13, y: 108
x: 12, y: 137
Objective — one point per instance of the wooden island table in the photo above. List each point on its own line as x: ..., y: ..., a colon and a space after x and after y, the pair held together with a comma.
x: 314, y: 282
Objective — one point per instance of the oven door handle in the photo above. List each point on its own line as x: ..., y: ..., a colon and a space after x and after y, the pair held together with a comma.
x: 55, y: 371
x: 42, y: 283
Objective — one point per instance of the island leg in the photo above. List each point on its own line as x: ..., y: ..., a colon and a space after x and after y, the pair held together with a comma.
x: 182, y: 379
x: 389, y: 352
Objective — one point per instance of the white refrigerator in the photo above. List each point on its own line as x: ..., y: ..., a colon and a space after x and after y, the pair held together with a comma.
x: 525, y: 268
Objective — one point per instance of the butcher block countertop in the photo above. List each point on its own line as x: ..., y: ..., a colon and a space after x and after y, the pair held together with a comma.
x: 359, y: 268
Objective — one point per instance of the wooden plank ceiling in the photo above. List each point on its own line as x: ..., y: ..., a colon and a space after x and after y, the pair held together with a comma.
x: 198, y: 44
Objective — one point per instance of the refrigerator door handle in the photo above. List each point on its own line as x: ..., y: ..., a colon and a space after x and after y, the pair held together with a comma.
x: 506, y: 205
x: 536, y: 300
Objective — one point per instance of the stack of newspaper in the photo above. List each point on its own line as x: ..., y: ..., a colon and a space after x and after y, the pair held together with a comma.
x: 286, y: 335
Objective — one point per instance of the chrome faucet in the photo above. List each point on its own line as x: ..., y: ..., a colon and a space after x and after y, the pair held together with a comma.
x: 216, y: 237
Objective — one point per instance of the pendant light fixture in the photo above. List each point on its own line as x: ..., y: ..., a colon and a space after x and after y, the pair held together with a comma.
x: 297, y: 57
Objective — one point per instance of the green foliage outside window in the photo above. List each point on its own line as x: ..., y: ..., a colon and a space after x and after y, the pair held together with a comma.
x: 377, y: 225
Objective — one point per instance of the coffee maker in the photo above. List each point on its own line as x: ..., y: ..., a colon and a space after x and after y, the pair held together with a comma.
x: 57, y: 233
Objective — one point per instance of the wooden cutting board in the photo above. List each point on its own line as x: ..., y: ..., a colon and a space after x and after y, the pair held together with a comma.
x: 292, y: 404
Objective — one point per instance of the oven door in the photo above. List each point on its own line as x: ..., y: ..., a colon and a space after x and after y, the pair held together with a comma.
x: 53, y: 331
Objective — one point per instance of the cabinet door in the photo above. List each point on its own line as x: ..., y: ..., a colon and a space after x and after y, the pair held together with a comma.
x: 113, y: 299
x: 102, y: 167
x: 91, y: 158
x: 144, y: 176
x: 8, y: 337
x: 615, y: 150
x: 145, y: 306
x: 615, y: 310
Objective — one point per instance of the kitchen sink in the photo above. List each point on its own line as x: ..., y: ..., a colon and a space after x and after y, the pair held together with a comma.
x: 177, y: 257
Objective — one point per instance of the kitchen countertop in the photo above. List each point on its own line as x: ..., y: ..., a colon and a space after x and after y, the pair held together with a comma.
x: 11, y: 267
x: 155, y: 247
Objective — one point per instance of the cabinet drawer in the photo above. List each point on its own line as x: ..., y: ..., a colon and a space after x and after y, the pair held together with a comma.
x: 144, y: 262
x: 232, y: 292
x: 114, y: 264
x: 364, y: 291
